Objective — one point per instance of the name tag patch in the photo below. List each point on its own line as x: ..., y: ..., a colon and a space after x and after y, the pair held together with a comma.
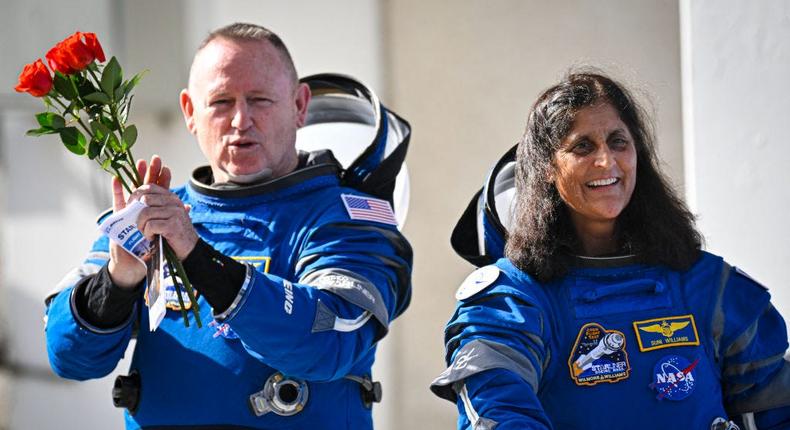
x: 666, y: 332
x: 598, y: 356
x: 260, y: 264
x: 673, y: 377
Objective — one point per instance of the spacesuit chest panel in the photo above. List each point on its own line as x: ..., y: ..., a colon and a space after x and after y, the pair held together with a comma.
x: 628, y: 343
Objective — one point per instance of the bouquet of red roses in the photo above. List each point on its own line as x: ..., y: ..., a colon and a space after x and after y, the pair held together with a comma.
x: 88, y: 106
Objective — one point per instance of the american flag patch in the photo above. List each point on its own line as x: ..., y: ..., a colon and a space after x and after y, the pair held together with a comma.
x: 369, y: 209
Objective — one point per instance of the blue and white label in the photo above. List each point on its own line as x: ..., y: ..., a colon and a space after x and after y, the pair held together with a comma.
x: 121, y: 228
x: 674, y: 377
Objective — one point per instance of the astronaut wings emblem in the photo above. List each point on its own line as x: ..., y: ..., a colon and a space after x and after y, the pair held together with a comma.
x: 666, y: 328
x: 666, y: 332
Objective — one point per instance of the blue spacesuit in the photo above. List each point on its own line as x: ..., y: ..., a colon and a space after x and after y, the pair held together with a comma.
x: 614, y: 344
x: 325, y: 271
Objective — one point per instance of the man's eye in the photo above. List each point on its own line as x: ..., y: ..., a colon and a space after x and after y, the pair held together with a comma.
x: 261, y: 101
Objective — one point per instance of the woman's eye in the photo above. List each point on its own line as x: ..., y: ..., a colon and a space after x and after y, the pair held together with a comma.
x: 619, y: 143
x: 582, y: 148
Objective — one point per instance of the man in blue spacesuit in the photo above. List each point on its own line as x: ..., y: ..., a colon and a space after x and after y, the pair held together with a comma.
x: 299, y: 275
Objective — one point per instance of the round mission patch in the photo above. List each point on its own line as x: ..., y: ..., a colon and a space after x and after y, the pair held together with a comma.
x: 477, y: 281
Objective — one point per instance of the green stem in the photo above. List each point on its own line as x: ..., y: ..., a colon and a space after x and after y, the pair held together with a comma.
x: 133, y: 177
x: 87, y: 129
x: 95, y: 78
x: 119, y: 175
x: 175, y: 263
x: 184, y: 314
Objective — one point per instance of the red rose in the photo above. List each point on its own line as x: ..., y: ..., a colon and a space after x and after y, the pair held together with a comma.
x: 35, y: 79
x: 93, y: 44
x: 73, y: 55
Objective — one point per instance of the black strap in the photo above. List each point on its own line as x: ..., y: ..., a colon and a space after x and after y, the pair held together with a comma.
x: 381, y: 181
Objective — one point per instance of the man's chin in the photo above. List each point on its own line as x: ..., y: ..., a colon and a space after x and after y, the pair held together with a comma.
x: 248, y: 178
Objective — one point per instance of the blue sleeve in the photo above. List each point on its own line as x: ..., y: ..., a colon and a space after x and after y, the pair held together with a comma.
x: 76, y: 349
x: 496, y: 355
x: 751, y: 349
x: 351, y: 279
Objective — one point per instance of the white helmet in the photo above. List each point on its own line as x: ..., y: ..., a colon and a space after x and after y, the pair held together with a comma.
x: 369, y: 141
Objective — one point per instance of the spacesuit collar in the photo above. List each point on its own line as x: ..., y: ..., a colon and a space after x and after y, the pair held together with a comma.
x: 582, y: 261
x: 311, y: 165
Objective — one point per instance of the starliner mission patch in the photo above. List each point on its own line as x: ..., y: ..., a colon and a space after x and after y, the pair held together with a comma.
x: 598, y: 356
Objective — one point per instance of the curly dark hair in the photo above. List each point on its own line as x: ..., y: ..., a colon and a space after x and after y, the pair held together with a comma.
x: 655, y: 225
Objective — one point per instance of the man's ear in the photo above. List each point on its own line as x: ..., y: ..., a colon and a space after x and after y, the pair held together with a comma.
x: 302, y: 99
x: 188, y: 109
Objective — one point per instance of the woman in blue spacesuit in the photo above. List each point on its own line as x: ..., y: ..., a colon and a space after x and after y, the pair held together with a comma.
x: 604, y: 312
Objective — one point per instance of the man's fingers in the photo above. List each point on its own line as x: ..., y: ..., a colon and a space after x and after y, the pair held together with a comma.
x: 154, y: 170
x: 164, y: 177
x: 141, y: 168
x: 160, y: 198
x: 118, y: 201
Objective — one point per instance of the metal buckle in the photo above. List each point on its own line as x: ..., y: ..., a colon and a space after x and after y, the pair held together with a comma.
x: 281, y: 395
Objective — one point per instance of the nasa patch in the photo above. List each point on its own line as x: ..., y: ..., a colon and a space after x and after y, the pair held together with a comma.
x: 477, y: 281
x: 674, y: 377
x: 598, y: 355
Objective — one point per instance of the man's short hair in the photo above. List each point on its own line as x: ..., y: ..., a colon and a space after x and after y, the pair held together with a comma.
x: 242, y: 31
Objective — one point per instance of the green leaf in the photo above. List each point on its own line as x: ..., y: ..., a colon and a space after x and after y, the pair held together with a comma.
x: 73, y: 140
x: 119, y: 92
x: 84, y: 85
x: 95, y: 128
x: 108, y: 123
x: 131, y: 83
x: 50, y: 120
x: 98, y: 97
x: 111, y: 78
x: 126, y: 108
x: 40, y: 131
x: 106, y: 164
x: 129, y: 137
x: 94, y: 147
x: 65, y: 86
x: 114, y: 143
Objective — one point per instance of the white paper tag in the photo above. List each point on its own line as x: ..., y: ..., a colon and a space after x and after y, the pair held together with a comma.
x: 156, y: 300
x: 121, y: 228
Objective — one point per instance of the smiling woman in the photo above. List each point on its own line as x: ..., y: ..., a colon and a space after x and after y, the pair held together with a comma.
x: 605, y: 297
x: 595, y: 175
x: 604, y: 193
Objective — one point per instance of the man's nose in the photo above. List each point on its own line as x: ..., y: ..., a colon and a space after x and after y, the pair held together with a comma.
x: 241, y: 117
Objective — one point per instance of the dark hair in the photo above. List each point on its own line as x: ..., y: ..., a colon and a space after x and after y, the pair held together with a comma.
x: 655, y: 225
x: 241, y: 31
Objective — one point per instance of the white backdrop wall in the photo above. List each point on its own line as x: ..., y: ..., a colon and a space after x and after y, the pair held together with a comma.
x: 464, y: 72
x: 736, y: 103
